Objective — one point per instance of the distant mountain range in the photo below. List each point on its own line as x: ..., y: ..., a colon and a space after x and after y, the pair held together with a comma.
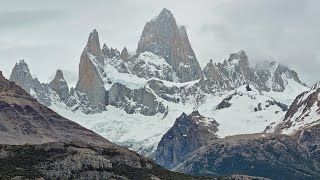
x: 134, y: 99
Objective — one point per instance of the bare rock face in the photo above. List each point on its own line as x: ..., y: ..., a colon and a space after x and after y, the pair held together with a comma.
x: 124, y: 54
x: 93, y: 46
x: 236, y: 71
x: 188, y: 133
x: 90, y: 72
x: 164, y: 38
x: 60, y: 86
x: 21, y: 76
x: 140, y: 100
x: 110, y: 53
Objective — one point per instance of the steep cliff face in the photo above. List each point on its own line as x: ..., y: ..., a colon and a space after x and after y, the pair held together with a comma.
x: 91, y: 72
x: 60, y: 86
x: 141, y: 100
x: 21, y: 76
x: 189, y: 132
x: 163, y: 37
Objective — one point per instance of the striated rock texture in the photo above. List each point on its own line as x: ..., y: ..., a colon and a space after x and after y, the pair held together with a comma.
x: 163, y: 37
x: 236, y: 71
x: 90, y: 72
x: 189, y: 132
x: 141, y: 100
x: 60, y: 86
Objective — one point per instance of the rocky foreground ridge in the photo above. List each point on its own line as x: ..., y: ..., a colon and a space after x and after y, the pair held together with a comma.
x: 37, y: 143
x: 46, y: 145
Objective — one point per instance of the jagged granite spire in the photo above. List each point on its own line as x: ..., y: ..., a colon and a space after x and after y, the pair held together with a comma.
x: 60, y: 86
x: 164, y: 38
x: 21, y: 75
x: 93, y: 44
x: 90, y: 72
x: 124, y: 54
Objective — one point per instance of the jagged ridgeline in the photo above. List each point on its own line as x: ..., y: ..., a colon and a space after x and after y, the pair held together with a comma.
x: 160, y: 81
x: 164, y: 54
x: 36, y: 143
x: 133, y: 99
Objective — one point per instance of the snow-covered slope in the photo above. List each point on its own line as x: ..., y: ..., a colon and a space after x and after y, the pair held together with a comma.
x: 140, y: 109
x: 242, y: 111
x: 303, y: 112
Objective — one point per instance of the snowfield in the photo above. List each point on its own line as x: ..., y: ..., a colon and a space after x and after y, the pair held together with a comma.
x: 143, y: 133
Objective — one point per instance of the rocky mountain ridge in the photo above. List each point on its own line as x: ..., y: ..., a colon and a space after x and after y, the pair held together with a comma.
x: 146, y: 87
x: 304, y: 112
x: 37, y: 143
x: 286, y: 150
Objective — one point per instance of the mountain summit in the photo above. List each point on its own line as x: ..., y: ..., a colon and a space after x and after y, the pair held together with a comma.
x: 163, y: 37
x: 90, y: 69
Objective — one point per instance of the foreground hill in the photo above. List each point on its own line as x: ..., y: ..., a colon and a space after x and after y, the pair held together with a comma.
x: 70, y: 150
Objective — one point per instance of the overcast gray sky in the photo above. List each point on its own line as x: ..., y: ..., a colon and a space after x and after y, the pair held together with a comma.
x: 52, y: 34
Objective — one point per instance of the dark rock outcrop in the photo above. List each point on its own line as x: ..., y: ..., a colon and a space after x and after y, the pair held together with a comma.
x: 273, y: 156
x: 163, y: 37
x: 189, y: 133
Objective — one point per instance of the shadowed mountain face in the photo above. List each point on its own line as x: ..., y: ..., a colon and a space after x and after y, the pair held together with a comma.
x: 189, y: 132
x: 270, y: 155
